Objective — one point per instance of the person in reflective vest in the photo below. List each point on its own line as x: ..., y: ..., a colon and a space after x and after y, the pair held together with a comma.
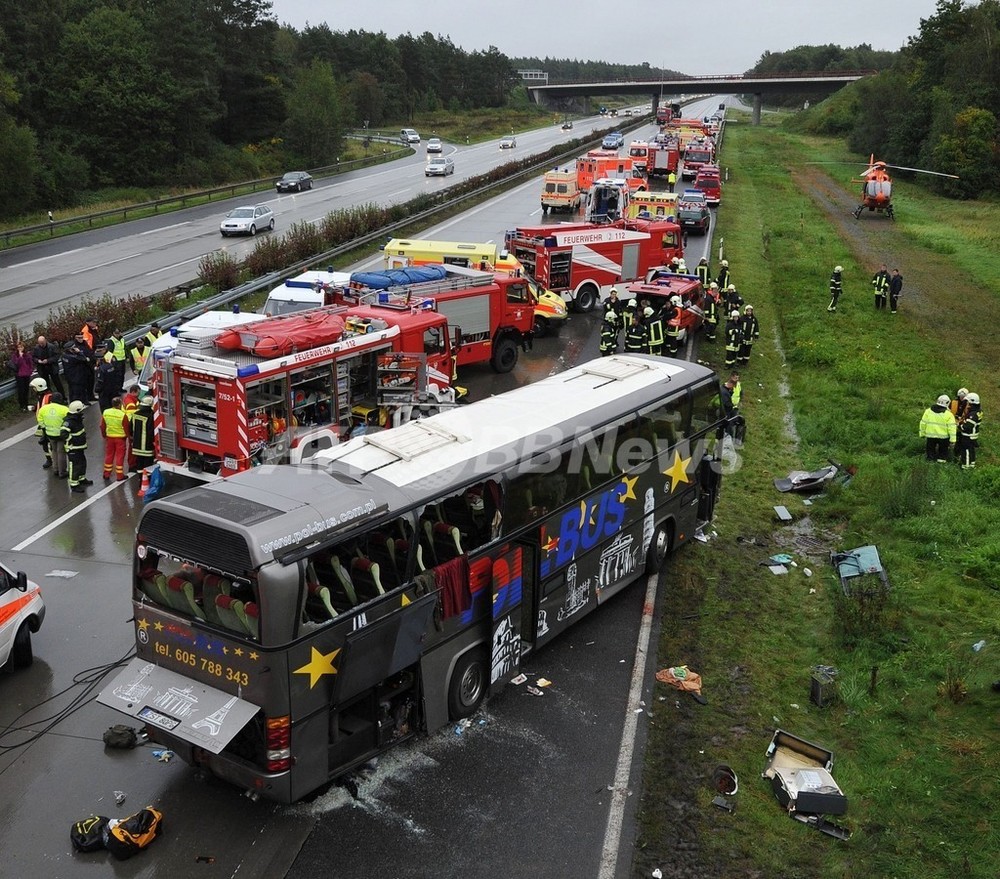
x: 938, y: 428
x: 880, y: 282
x: 711, y: 311
x: 749, y: 333
x: 968, y: 433
x: 119, y: 356
x: 75, y: 439
x: 732, y: 390
x: 654, y: 331
x: 635, y: 336
x: 836, y: 288
x: 671, y: 180
x: 701, y: 270
x: 137, y: 355
x: 673, y: 326
x: 114, y: 428
x: 143, y: 450
x: 609, y: 334
x: 50, y: 419
x: 154, y: 333
x: 724, y: 279
x: 733, y: 338
x: 130, y: 402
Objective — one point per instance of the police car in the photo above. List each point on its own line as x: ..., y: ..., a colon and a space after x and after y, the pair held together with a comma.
x: 21, y: 613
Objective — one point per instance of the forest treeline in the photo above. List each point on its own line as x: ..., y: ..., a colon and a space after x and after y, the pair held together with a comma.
x: 933, y: 105
x: 98, y: 95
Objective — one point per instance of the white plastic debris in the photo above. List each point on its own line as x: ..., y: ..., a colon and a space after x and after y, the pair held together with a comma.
x: 64, y: 575
x: 807, y: 572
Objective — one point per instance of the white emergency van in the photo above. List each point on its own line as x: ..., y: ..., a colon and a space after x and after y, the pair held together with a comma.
x: 21, y: 613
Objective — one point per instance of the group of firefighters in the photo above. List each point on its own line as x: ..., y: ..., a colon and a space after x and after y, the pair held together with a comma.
x: 126, y: 418
x: 953, y: 424
x: 649, y: 325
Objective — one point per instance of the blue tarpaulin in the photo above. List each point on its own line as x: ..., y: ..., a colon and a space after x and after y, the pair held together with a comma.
x: 399, y: 277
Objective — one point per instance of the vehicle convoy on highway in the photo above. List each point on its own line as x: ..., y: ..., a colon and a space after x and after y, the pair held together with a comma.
x: 279, y: 390
x: 289, y: 628
x: 582, y: 261
x: 21, y: 613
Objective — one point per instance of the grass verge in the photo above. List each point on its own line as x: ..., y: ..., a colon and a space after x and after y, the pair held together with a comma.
x: 917, y: 754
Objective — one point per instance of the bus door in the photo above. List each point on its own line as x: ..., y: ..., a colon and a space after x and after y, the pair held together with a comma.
x: 512, y: 586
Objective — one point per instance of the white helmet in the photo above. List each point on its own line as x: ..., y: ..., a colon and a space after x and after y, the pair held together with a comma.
x: 943, y: 400
x: 713, y: 286
x: 647, y: 312
x: 675, y: 300
x: 734, y: 315
x: 963, y: 393
x: 725, y: 263
x: 39, y: 385
x: 838, y: 269
x: 731, y: 288
x: 747, y: 309
x: 972, y: 399
x: 76, y: 407
x: 146, y: 401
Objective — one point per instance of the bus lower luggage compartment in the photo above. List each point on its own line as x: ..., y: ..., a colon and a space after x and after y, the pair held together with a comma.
x: 372, y: 720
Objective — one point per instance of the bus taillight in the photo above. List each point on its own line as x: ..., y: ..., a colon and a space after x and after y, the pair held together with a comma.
x: 279, y: 740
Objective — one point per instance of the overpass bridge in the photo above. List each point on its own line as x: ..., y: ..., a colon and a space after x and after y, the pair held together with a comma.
x: 820, y: 84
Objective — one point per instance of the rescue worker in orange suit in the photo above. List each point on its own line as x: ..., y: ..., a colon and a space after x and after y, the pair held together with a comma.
x: 938, y: 428
x: 143, y: 450
x: 880, y: 282
x: 733, y: 339
x: 635, y: 336
x: 725, y: 278
x: 960, y: 405
x: 89, y: 331
x: 895, y: 290
x: 968, y: 433
x: 749, y: 333
x: 75, y: 439
x: 114, y: 428
x: 711, y: 311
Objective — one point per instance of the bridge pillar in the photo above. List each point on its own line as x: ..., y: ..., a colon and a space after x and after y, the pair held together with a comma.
x: 655, y: 103
x: 755, y: 120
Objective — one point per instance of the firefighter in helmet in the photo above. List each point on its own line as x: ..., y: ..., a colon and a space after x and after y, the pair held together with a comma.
x: 635, y: 336
x: 734, y: 338
x: 724, y: 278
x: 654, y: 330
x: 609, y: 333
x: 749, y: 333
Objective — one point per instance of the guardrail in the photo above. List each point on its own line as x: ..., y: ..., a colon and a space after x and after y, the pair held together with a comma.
x: 226, y: 297
x: 72, y: 225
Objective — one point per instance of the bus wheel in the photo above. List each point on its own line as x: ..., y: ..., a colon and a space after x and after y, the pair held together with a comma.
x: 504, y: 357
x: 468, y: 685
x: 586, y: 299
x: 658, y: 549
x: 20, y: 654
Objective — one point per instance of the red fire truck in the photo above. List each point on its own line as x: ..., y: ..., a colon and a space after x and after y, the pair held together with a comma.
x: 696, y: 154
x: 583, y: 261
x: 664, y: 157
x: 279, y: 390
x: 689, y: 315
x: 495, y: 312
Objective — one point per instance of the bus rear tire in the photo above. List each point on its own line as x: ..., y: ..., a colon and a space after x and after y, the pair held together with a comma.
x: 467, y: 688
x: 659, y: 549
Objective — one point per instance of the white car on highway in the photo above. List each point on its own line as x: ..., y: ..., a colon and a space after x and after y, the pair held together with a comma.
x: 247, y: 220
x: 21, y: 613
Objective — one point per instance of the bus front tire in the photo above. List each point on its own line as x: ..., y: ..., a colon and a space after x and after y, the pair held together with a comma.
x: 468, y: 685
x: 659, y: 549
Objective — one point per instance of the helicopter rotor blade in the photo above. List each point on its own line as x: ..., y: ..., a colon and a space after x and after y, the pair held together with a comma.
x: 924, y: 171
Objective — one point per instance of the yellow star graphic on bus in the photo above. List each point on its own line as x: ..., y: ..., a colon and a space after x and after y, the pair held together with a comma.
x: 143, y: 624
x: 551, y: 545
x: 319, y: 664
x: 158, y: 626
x: 677, y: 471
x: 628, y: 484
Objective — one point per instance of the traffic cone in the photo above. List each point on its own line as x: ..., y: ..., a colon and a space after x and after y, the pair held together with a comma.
x: 144, y: 486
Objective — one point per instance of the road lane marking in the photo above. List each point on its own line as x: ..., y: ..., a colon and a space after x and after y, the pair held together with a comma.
x: 93, y: 499
x: 174, y: 266
x: 619, y: 793
x: 164, y: 228
x: 18, y: 437
x: 31, y: 262
x: 102, y: 265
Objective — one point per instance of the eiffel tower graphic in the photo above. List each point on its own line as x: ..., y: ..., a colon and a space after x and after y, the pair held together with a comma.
x: 213, y: 723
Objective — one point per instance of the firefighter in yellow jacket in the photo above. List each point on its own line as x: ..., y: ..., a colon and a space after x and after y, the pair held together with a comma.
x: 938, y: 428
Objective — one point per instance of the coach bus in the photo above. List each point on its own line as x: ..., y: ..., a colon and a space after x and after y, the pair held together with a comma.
x: 292, y: 622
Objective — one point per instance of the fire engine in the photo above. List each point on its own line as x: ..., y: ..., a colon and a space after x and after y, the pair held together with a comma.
x: 663, y: 285
x: 281, y: 389
x: 696, y: 154
x: 664, y: 157
x: 601, y: 163
x: 583, y: 261
x: 495, y: 311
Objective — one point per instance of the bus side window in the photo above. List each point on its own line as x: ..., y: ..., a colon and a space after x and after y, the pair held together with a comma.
x: 705, y: 410
x: 670, y: 421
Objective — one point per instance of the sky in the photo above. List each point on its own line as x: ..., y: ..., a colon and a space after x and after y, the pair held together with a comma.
x: 716, y: 37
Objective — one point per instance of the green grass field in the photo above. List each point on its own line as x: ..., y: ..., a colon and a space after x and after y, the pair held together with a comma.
x: 917, y: 755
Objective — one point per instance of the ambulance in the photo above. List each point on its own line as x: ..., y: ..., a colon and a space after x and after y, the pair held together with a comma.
x: 21, y: 613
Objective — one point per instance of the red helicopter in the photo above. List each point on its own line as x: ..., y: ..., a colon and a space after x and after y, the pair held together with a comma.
x: 876, y: 186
